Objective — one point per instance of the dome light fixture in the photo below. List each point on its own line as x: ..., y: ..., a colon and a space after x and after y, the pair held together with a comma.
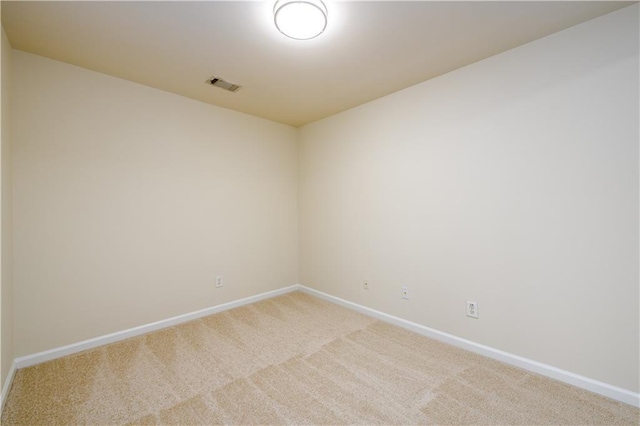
x: 300, y: 19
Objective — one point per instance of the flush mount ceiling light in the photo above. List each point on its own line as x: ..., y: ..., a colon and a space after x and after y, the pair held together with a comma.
x: 300, y: 19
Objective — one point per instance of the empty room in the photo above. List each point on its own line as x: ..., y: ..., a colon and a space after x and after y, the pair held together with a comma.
x: 320, y: 212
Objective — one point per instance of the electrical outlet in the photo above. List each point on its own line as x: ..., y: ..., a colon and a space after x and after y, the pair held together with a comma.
x: 472, y: 309
x: 219, y: 281
x: 405, y: 292
x: 365, y: 284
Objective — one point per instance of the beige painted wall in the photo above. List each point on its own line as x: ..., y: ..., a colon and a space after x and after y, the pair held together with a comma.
x: 6, y: 290
x: 512, y: 182
x: 128, y: 201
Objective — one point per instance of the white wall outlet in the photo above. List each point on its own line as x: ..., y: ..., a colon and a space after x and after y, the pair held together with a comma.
x: 472, y: 309
x: 219, y: 281
x: 365, y: 284
x: 405, y: 292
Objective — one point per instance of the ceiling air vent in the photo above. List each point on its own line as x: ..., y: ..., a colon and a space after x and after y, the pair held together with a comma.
x: 223, y: 84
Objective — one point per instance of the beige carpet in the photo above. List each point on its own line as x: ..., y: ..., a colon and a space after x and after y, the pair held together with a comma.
x: 294, y: 359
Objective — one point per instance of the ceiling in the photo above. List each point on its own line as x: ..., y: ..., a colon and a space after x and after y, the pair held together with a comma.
x: 370, y: 48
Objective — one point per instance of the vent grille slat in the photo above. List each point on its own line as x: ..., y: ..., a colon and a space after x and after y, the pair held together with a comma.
x: 223, y: 84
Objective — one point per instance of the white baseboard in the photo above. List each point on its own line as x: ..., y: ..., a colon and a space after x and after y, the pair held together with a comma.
x: 7, y: 385
x: 595, y: 386
x: 601, y: 388
x: 37, y: 358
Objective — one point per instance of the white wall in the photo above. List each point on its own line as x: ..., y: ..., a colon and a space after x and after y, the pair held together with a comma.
x: 6, y: 290
x: 128, y: 201
x: 512, y: 182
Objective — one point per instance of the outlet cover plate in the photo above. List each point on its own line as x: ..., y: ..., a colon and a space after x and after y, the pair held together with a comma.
x: 472, y: 309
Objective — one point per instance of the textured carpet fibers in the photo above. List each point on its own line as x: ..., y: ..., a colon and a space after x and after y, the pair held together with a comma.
x: 294, y: 359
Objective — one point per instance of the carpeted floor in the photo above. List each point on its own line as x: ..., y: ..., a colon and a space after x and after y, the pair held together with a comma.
x: 294, y: 359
